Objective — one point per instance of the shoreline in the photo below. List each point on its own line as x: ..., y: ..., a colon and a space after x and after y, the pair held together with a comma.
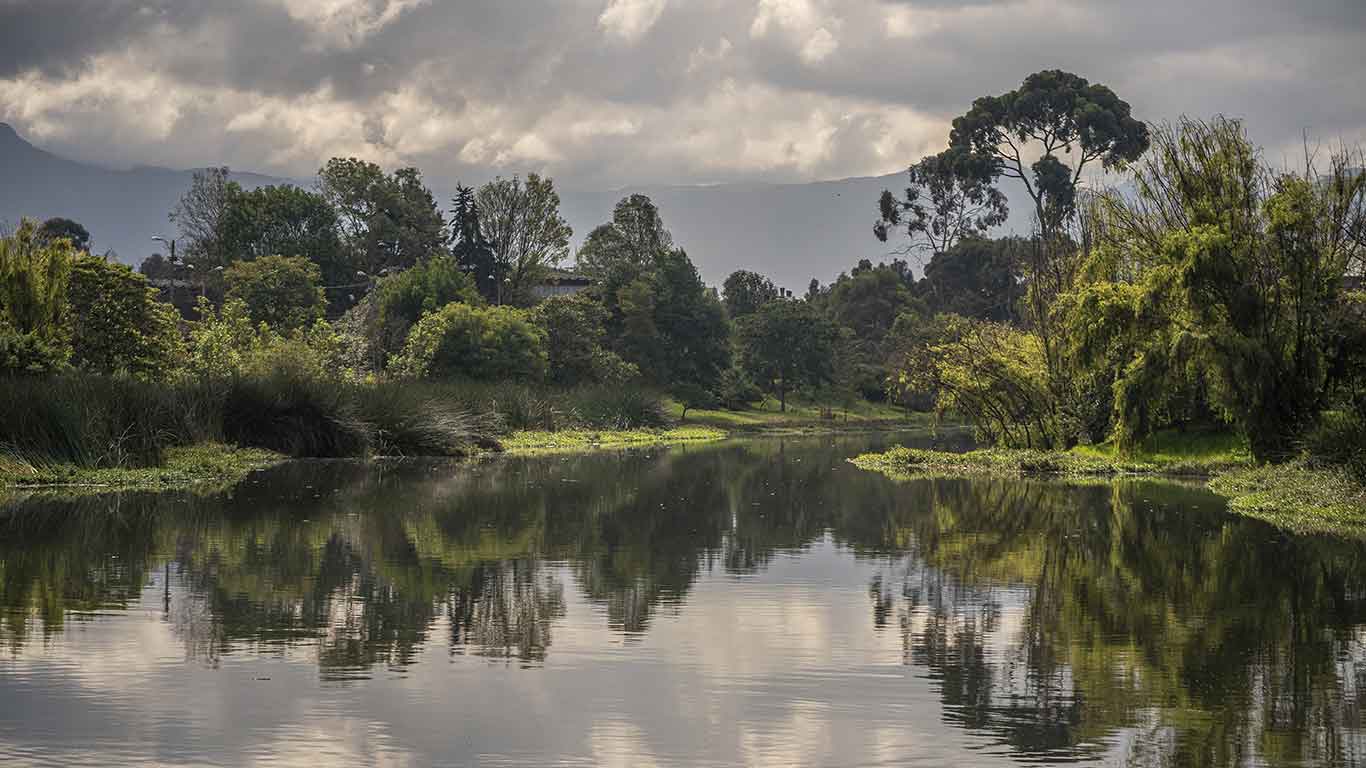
x: 1297, y: 496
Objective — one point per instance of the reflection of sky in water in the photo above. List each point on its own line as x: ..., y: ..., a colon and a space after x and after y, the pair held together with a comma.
x: 778, y: 668
x: 818, y: 616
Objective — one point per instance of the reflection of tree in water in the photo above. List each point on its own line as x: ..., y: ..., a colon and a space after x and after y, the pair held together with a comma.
x: 506, y: 610
x: 1205, y: 638
x: 1055, y: 619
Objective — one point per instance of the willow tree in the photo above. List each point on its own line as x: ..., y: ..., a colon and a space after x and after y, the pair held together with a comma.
x: 1225, y: 270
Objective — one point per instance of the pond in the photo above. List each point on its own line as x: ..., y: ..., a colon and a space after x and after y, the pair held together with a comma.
x: 740, y: 603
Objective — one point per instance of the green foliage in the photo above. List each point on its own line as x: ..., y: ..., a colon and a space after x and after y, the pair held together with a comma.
x: 402, y: 299
x: 282, y: 220
x: 34, y: 276
x: 993, y: 375
x: 1052, y: 111
x: 865, y: 303
x: 631, y: 242
x: 481, y: 343
x: 56, y: 228
x: 289, y: 411
x: 117, y: 322
x: 222, y: 342
x: 787, y: 344
x: 387, y: 220
x: 977, y: 278
x: 468, y: 246
x: 96, y: 421
x: 744, y: 292
x: 949, y: 198
x: 574, y: 327
x: 524, y: 230
x: 280, y: 291
x: 1219, y: 281
x: 736, y: 390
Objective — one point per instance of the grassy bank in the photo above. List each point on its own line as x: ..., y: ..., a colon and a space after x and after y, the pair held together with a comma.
x: 573, y: 440
x: 1297, y: 496
x: 1201, y: 455
x: 212, y: 464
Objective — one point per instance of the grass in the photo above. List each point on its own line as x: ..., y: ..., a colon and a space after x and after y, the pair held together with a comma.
x: 214, y: 464
x: 1298, y: 497
x: 1171, y: 455
x: 574, y: 440
x: 800, y: 413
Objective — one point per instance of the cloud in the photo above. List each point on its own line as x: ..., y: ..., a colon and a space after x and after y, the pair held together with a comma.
x: 629, y: 20
x: 606, y: 93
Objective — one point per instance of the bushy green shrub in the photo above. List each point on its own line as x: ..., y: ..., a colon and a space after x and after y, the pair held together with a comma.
x: 283, y: 292
x: 417, y: 419
x: 34, y: 275
x: 402, y: 299
x: 117, y: 322
x: 480, y: 343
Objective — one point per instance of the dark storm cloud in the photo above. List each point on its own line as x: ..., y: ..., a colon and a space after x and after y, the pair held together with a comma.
x: 628, y: 91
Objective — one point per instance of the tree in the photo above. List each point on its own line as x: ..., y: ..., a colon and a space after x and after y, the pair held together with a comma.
x: 744, y: 292
x: 787, y: 344
x: 1224, y: 269
x: 387, y: 221
x: 200, y: 213
x: 1053, y: 111
x: 471, y: 250
x: 524, y: 229
x: 866, y: 302
x: 976, y: 278
x: 117, y: 322
x: 949, y: 197
x: 481, y: 343
x: 402, y: 299
x: 71, y: 230
x: 280, y: 291
x: 632, y: 241
x: 34, y: 276
x: 672, y: 326
x: 574, y: 327
x: 289, y: 221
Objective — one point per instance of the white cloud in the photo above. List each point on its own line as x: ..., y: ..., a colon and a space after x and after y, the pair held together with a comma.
x: 347, y: 23
x: 802, y: 23
x: 629, y: 20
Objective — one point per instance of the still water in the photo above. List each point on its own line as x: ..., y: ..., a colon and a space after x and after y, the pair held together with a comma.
x: 742, y: 603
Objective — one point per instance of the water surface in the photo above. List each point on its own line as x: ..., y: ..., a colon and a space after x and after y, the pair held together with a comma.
x: 743, y: 603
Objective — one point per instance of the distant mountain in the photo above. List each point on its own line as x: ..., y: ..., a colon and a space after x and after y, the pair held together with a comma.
x: 123, y: 209
x: 790, y: 232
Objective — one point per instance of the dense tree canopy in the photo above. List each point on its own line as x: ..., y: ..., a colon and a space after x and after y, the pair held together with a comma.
x: 631, y: 242
x: 280, y: 291
x: 745, y: 291
x: 388, y: 221
x: 284, y: 221
x: 787, y: 344
x: 117, y: 323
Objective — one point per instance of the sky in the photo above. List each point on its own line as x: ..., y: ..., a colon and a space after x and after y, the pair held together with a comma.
x: 605, y: 94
